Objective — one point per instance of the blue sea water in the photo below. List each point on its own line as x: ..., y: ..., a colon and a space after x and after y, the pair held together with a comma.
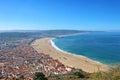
x: 100, y: 46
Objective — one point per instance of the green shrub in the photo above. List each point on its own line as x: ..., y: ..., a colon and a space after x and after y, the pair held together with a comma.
x: 39, y: 76
x: 21, y: 77
x: 78, y: 75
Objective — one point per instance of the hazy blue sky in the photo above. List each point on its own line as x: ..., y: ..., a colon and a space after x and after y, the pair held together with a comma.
x: 60, y: 14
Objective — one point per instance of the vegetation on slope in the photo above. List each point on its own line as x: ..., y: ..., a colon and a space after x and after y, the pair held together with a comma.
x: 113, y: 74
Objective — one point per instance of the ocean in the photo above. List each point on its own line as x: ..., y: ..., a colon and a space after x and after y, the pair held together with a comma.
x: 103, y: 47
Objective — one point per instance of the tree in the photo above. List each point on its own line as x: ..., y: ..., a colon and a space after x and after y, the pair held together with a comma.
x: 39, y: 76
x: 21, y: 77
x: 79, y: 75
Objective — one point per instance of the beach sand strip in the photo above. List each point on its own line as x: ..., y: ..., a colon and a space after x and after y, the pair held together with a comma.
x: 44, y: 45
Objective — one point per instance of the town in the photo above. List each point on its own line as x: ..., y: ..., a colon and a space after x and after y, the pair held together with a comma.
x: 18, y: 58
x: 24, y: 60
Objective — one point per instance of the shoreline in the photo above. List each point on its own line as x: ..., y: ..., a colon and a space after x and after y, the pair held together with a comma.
x: 54, y: 46
x: 46, y: 46
x: 72, y: 34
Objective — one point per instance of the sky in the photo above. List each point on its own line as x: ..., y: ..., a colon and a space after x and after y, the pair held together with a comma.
x: 59, y: 14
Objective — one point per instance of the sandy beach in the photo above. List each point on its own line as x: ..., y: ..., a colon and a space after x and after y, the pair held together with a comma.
x: 44, y: 45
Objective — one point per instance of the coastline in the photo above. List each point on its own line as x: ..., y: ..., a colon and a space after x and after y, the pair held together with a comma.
x: 72, y: 34
x: 54, y: 46
x: 46, y: 46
